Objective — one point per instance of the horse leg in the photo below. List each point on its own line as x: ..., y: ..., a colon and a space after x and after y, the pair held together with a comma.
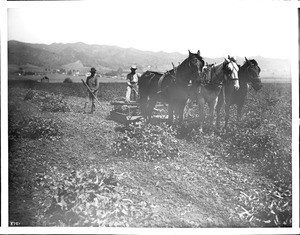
x: 176, y: 112
x: 201, y: 103
x: 212, y: 106
x: 180, y: 113
x: 150, y: 107
x: 143, y: 106
x: 239, y: 112
x: 170, y: 113
x: 228, y: 94
x: 227, y: 108
x: 218, y: 108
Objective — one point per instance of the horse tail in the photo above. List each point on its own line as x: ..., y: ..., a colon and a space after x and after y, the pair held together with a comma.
x: 143, y: 84
x: 148, y: 87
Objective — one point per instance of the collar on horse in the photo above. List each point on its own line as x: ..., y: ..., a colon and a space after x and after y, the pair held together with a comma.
x: 219, y: 81
x: 168, y: 73
x: 175, y: 80
x: 219, y: 78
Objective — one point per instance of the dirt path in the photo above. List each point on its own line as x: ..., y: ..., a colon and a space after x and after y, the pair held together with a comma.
x: 195, y: 190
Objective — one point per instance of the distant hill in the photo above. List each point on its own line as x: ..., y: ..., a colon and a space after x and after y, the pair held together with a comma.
x: 74, y: 66
x: 79, y: 55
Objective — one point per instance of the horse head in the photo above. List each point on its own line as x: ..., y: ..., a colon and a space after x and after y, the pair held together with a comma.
x: 252, y: 71
x: 191, y: 67
x: 205, y: 74
x: 196, y: 60
x: 232, y: 70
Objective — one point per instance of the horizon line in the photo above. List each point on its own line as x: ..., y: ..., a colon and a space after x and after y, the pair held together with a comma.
x: 153, y: 51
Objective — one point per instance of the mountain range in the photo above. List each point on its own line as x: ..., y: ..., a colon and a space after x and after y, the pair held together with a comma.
x: 77, y: 56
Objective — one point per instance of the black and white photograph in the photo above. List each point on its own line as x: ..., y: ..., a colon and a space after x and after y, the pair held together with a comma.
x: 151, y: 114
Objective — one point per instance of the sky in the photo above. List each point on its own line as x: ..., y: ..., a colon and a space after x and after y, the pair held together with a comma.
x: 216, y: 28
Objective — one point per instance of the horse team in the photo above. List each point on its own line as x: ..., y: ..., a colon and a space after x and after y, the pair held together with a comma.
x: 215, y: 84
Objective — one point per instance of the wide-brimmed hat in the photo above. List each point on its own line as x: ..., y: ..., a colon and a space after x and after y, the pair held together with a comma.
x: 133, y: 67
x: 93, y: 70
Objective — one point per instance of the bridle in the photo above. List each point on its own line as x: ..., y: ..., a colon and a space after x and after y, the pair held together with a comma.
x: 191, y: 63
x: 231, y: 62
x: 219, y: 79
x: 170, y: 74
x: 174, y: 76
x: 194, y: 61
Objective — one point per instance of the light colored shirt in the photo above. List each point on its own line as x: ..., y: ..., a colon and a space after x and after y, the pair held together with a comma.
x: 133, y: 78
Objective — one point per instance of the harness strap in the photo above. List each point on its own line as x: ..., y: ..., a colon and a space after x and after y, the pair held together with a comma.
x: 220, y: 83
x: 175, y: 81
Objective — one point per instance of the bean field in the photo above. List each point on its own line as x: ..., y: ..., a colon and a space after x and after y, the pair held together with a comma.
x: 68, y: 168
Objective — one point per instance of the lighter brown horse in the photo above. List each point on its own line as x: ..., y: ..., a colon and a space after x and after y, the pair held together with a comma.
x: 224, y: 74
x: 248, y: 74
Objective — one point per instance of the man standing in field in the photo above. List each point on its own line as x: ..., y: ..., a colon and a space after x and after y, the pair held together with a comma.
x: 93, y: 84
x: 132, y: 80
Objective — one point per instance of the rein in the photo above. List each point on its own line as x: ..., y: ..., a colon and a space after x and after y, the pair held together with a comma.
x: 221, y: 83
x: 213, y: 70
x: 168, y: 73
x: 174, y: 77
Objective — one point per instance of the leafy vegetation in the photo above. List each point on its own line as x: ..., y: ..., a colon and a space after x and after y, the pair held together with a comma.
x: 87, y: 197
x: 263, y: 139
x: 107, y: 91
x: 49, y: 102
x: 268, y: 208
x: 35, y: 128
x: 147, y: 143
x: 244, y: 173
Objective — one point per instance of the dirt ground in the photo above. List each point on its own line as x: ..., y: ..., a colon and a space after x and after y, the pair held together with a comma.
x: 199, y: 189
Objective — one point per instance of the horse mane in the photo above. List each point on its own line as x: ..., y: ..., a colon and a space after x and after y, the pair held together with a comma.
x: 252, y: 61
x: 185, y: 62
x: 199, y: 57
x: 218, y: 66
x: 243, y: 72
x: 182, y: 63
x: 213, y: 71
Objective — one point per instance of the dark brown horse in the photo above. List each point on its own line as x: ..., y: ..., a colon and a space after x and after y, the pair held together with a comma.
x: 148, y: 87
x: 217, y: 76
x: 170, y: 87
x: 248, y: 74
